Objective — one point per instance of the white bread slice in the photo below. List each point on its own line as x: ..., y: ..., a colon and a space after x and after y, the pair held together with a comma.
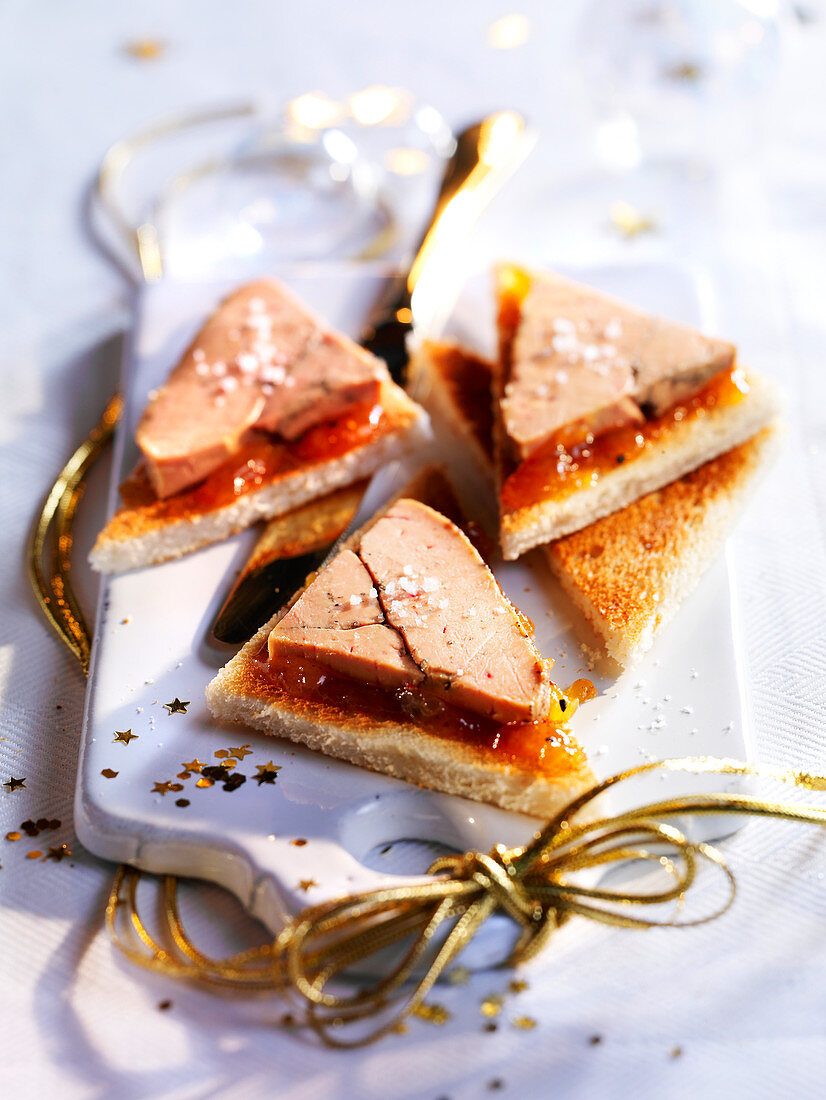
x: 385, y: 742
x: 630, y: 572
x: 151, y: 533
x: 687, y: 445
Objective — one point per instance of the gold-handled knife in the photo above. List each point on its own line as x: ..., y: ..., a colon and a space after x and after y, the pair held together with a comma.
x: 294, y: 545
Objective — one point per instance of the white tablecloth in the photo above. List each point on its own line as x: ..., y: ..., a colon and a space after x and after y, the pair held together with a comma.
x: 737, y: 1008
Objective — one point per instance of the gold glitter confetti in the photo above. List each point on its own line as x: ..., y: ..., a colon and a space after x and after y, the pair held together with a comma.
x: 33, y: 854
x: 107, y: 773
x: 268, y: 767
x: 400, y: 1028
x: 267, y: 773
x: 164, y: 1005
x: 675, y: 1052
x: 306, y: 884
x: 433, y: 1014
x: 59, y: 853
x: 490, y: 1026
x: 687, y: 70
x: 13, y: 836
x: 459, y: 975
x: 176, y: 787
x: 518, y: 985
x: 184, y: 775
x: 524, y: 1023
x: 241, y: 751
x: 161, y: 788
x: 13, y: 784
x: 182, y: 802
x: 193, y: 765
x: 124, y: 737
x: 628, y: 221
x: 491, y: 1006
x: 176, y: 706
x: 222, y: 754
x: 299, y: 842
x: 145, y: 49
x: 204, y: 782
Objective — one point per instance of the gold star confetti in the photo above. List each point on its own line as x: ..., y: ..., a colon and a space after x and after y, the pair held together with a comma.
x: 307, y: 884
x: 123, y: 737
x: 176, y: 706
x: 241, y: 751
x: 57, y: 854
x: 13, y: 784
x: 193, y: 765
x: 161, y: 788
x: 268, y: 767
x: 491, y: 1006
x: 459, y: 975
x: 628, y: 221
x: 686, y: 70
x: 518, y: 985
x: 433, y: 1014
x: 145, y: 49
x: 524, y: 1023
x: 267, y: 773
x: 107, y: 773
x: 13, y: 836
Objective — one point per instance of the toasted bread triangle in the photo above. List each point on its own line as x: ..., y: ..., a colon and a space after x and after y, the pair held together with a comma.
x: 630, y: 572
x: 534, y: 769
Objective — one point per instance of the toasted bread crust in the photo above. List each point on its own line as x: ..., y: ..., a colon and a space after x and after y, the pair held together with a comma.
x: 240, y: 694
x: 630, y: 571
x: 680, y: 448
x: 143, y: 535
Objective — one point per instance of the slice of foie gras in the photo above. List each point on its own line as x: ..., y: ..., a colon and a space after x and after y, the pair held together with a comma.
x: 673, y: 361
x: 331, y: 376
x: 456, y: 622
x: 582, y: 361
x: 567, y: 368
x: 338, y: 622
x: 262, y: 361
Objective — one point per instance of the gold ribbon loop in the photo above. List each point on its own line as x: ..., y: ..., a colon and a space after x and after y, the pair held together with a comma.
x: 428, y: 924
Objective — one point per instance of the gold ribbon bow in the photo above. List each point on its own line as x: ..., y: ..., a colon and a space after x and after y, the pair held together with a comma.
x: 428, y: 923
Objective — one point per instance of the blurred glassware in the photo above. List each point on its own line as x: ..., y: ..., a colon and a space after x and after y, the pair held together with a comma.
x: 238, y: 189
x: 677, y: 79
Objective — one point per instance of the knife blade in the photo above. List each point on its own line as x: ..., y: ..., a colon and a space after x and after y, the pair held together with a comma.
x: 290, y: 548
x: 486, y: 154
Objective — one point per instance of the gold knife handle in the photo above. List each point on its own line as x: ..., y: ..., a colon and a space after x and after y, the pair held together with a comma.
x: 485, y: 154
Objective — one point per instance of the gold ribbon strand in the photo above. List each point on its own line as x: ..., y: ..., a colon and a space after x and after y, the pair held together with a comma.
x: 428, y: 923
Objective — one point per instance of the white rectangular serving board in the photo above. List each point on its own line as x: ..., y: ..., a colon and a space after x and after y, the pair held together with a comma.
x: 150, y: 647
